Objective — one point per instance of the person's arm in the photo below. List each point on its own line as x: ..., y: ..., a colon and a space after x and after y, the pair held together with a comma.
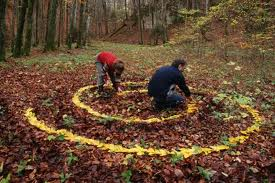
x: 115, y: 81
x: 182, y: 85
x: 106, y: 70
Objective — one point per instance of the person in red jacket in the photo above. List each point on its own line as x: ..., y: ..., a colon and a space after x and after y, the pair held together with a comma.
x: 108, y: 63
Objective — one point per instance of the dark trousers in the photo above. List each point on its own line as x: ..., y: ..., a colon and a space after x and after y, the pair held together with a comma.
x: 173, y: 99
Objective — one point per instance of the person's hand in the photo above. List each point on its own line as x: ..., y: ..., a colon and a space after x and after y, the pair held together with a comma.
x: 119, y: 89
x: 106, y: 81
x: 189, y: 98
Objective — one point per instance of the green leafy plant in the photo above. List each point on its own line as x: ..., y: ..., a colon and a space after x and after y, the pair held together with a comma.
x: 129, y: 159
x: 1, y: 167
x: 21, y: 167
x: 106, y: 120
x: 217, y: 99
x: 71, y: 158
x: 51, y: 137
x: 68, y: 121
x: 126, y: 175
x: 205, y: 173
x: 156, y: 161
x: 266, y: 106
x: 197, y: 149
x: 243, y: 100
x: 143, y: 143
x: 60, y: 137
x: 218, y: 115
x: 64, y: 177
x: 175, y: 158
x: 47, y: 102
x: 2, y: 110
x: 225, y: 140
x: 7, y: 179
x: 79, y: 145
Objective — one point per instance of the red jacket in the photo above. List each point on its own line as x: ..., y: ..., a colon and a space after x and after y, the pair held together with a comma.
x: 107, y: 58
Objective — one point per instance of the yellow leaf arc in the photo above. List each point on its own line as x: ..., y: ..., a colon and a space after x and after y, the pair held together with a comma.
x: 116, y: 148
x: 191, y: 107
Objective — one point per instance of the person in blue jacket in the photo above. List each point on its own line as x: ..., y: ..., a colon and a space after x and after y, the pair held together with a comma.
x: 163, y: 83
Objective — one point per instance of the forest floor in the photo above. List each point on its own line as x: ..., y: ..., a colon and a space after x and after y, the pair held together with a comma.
x: 171, y: 150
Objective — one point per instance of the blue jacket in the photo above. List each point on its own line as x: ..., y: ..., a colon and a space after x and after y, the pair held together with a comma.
x: 162, y: 80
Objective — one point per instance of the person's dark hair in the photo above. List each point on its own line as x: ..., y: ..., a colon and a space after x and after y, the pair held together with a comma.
x: 119, y: 66
x: 178, y: 62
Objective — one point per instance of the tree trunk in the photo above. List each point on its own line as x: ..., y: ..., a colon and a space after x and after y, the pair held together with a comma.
x: 42, y: 23
x: 126, y: 12
x: 81, y: 24
x: 70, y: 35
x: 37, y: 23
x: 48, y: 17
x: 193, y: 4
x: 28, y: 38
x: 2, y: 28
x: 206, y: 6
x: 14, y: 15
x: 17, y: 52
x: 104, y: 7
x: 67, y: 12
x: 86, y: 23
x: 140, y: 23
x: 50, y: 43
x: 60, y: 27
x: 164, y: 21
x: 153, y: 13
x: 114, y: 17
x: 134, y: 14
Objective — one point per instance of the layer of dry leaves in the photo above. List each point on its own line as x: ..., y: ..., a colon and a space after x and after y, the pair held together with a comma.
x: 29, y: 87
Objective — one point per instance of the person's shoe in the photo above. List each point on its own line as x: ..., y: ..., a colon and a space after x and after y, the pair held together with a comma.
x: 105, y: 95
x: 156, y: 106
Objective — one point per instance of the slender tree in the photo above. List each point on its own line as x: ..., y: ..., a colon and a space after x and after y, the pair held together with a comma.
x: 67, y: 20
x: 104, y: 7
x: 14, y: 15
x: 71, y: 31
x: 50, y: 42
x: 81, y: 24
x: 125, y: 9
x: 28, y: 38
x: 37, y: 12
x: 17, y: 51
x: 206, y: 6
x: 86, y: 23
x: 2, y: 28
x: 140, y: 23
x: 60, y: 26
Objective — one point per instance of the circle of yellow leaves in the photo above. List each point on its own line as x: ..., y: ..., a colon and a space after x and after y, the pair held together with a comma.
x: 186, y: 152
x: 191, y: 107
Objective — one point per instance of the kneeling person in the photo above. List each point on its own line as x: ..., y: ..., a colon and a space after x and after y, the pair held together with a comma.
x: 108, y: 63
x: 163, y: 83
